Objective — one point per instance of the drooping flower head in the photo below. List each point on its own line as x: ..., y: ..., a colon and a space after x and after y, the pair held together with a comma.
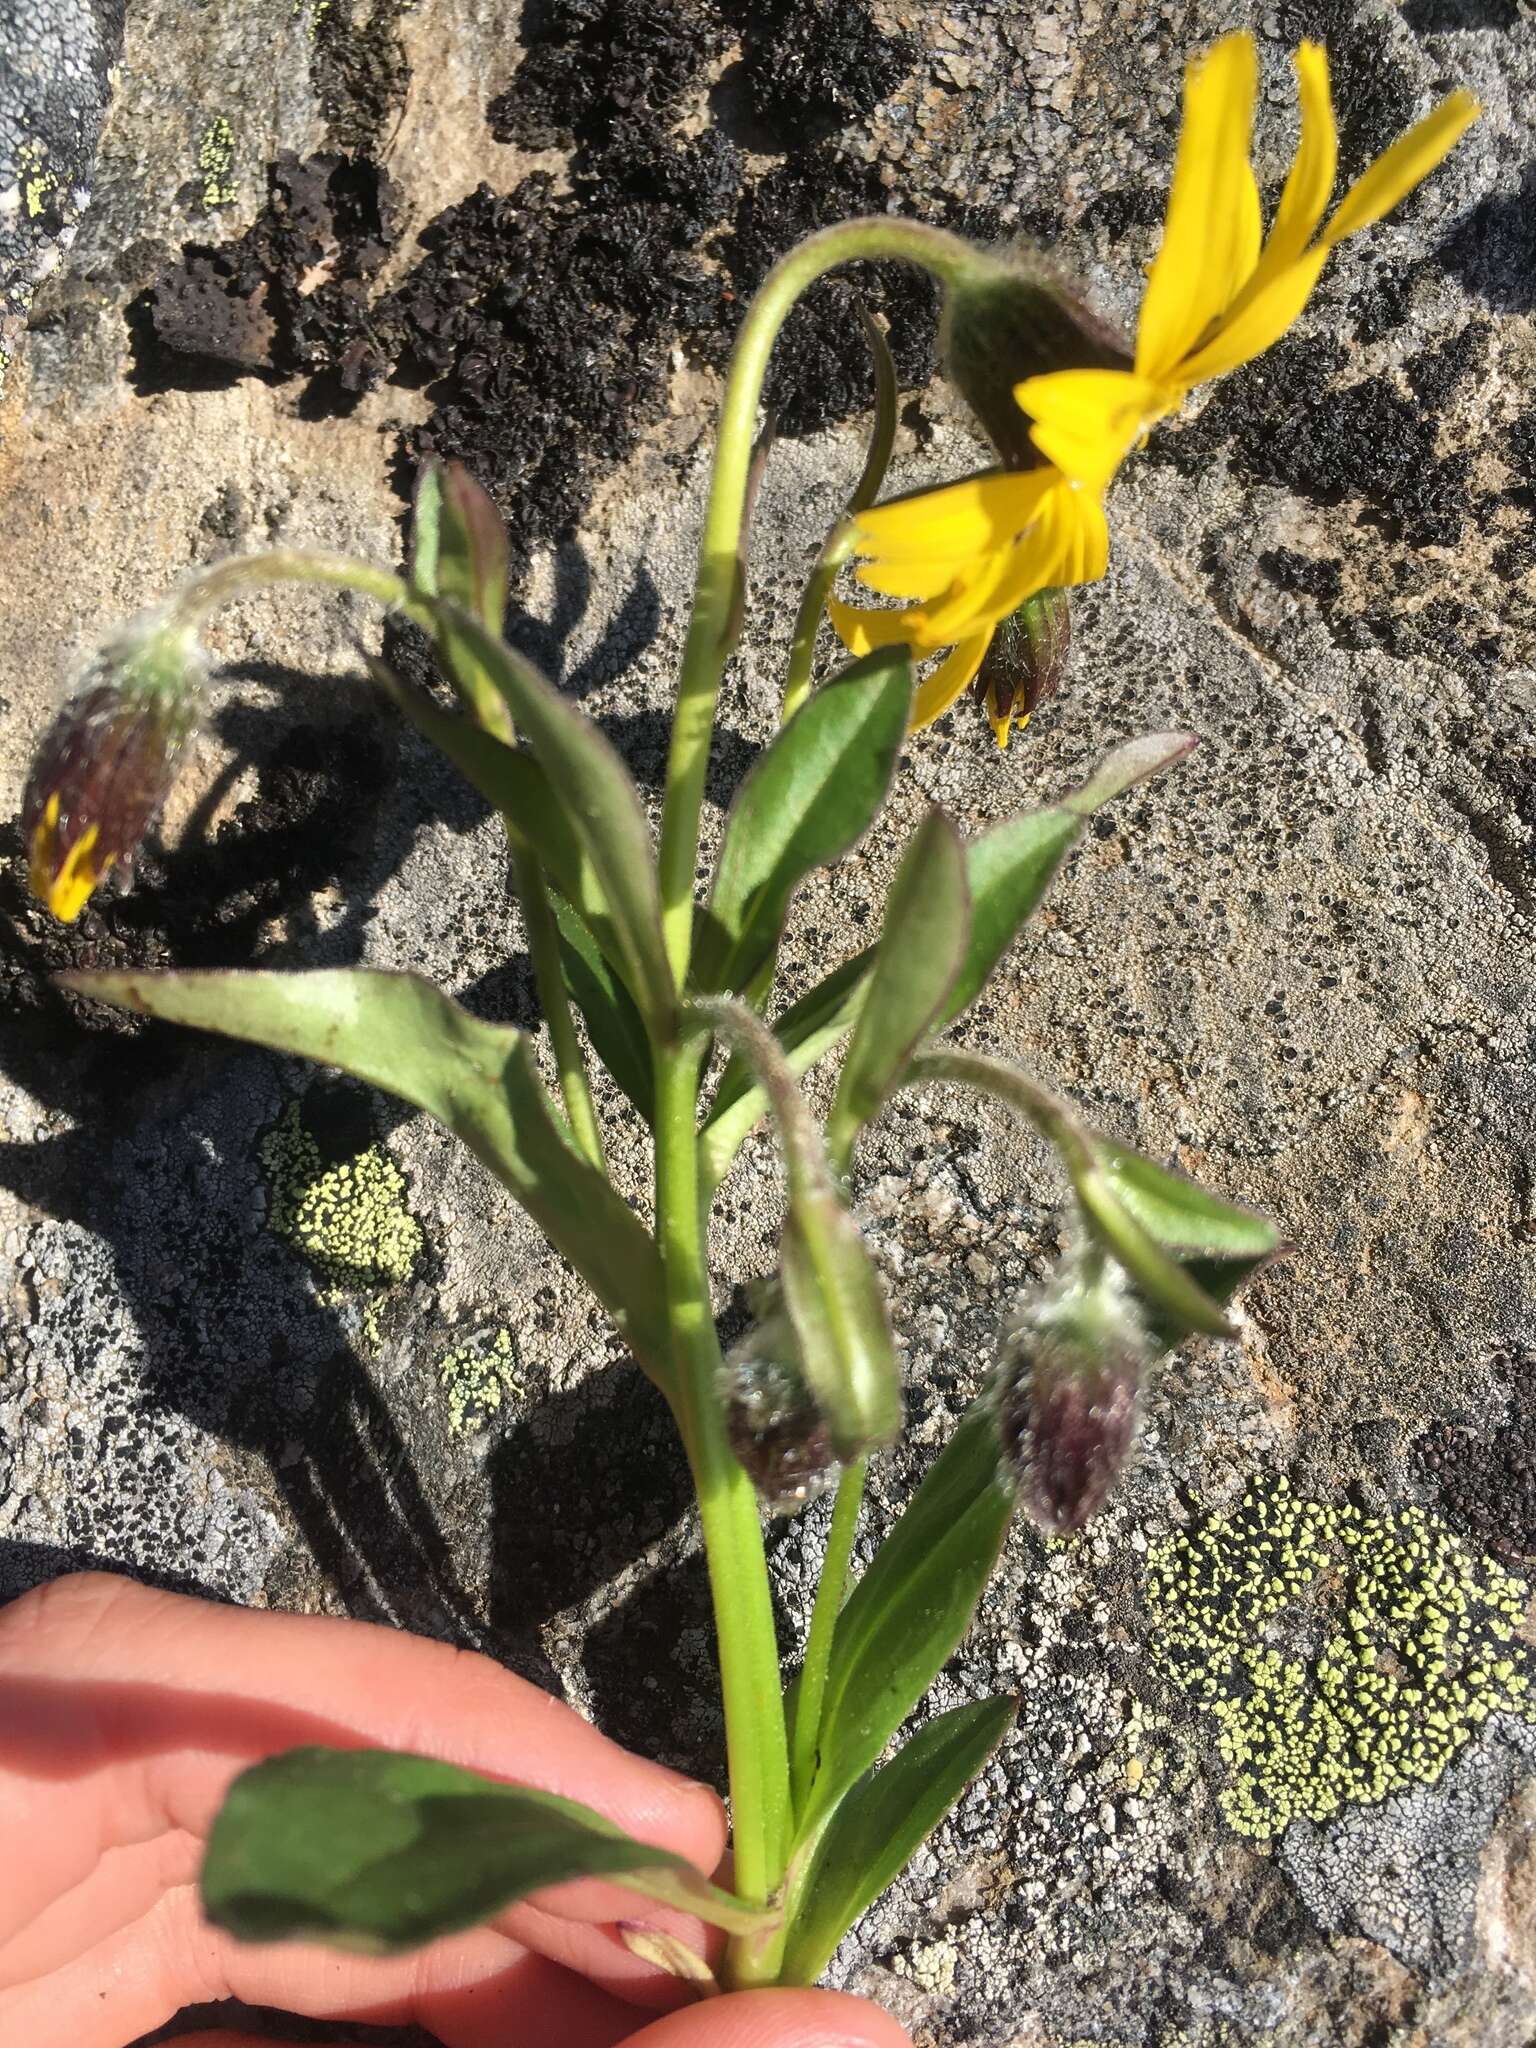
x: 966, y: 556
x: 106, y: 764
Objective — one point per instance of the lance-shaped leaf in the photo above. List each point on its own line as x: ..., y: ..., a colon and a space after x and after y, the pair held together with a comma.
x: 460, y: 551
x: 831, y: 1289
x: 1010, y: 868
x: 805, y: 802
x: 593, y: 785
x: 927, y: 930
x: 617, y: 1028
x: 370, y: 1850
x: 1218, y: 1244
x: 401, y: 1034
x: 882, y: 1824
x: 1008, y: 871
x: 908, y: 1613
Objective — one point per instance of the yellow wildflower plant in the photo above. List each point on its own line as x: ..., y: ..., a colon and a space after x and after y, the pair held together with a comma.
x: 1218, y: 294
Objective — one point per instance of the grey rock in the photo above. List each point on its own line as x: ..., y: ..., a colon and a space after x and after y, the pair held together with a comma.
x: 1299, y: 969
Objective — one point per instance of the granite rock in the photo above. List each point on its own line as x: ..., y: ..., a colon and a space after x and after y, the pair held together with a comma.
x: 1299, y: 968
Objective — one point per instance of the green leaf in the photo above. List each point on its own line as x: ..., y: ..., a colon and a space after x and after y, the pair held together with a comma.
x: 1216, y: 1243
x: 882, y: 1824
x: 594, y: 788
x: 461, y: 552
x: 1008, y: 871
x: 924, y: 942
x: 804, y: 802
x: 1010, y: 868
x: 616, y: 1026
x: 373, y: 1851
x: 427, y: 527
x: 401, y: 1034
x: 909, y: 1612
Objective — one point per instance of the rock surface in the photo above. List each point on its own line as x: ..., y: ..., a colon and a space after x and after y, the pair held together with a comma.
x: 1301, y: 968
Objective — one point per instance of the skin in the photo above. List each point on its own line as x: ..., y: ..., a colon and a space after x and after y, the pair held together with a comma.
x: 124, y: 1714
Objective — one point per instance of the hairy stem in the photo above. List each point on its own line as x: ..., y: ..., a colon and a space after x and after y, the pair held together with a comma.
x: 716, y: 601
x: 756, y: 1744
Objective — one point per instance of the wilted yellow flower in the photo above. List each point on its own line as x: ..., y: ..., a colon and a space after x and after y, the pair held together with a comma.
x: 106, y: 763
x: 967, y: 555
x: 1218, y: 294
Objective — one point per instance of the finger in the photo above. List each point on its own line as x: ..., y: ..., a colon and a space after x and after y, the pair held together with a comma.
x: 121, y: 1889
x: 776, y: 2019
x: 601, y: 1953
x: 126, y: 1711
x: 471, y: 1990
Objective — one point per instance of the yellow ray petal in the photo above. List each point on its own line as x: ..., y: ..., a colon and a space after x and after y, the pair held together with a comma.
x: 1261, y: 322
x: 862, y: 628
x: 954, y: 672
x: 917, y: 578
x: 1208, y: 236
x: 1086, y: 420
x: 1309, y: 184
x: 962, y: 519
x: 1398, y: 169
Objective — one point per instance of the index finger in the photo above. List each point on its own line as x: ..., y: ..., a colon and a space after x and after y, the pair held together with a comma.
x: 125, y: 1712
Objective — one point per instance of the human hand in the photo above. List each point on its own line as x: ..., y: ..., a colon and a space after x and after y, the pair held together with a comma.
x: 125, y: 1713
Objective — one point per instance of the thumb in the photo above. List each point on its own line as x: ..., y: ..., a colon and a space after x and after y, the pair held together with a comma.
x: 775, y: 2019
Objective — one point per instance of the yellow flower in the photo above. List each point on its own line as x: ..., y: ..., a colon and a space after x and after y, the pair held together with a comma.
x: 1217, y: 295
x: 968, y: 555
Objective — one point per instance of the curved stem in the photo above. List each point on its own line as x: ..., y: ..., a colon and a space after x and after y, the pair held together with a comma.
x: 802, y: 648
x: 831, y: 1590
x: 710, y: 635
x: 756, y: 1745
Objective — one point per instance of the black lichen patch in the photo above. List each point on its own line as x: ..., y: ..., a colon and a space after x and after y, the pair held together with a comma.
x: 1485, y: 1483
x: 1285, y: 423
x: 1493, y: 251
x: 358, y: 69
x: 292, y: 294
x: 810, y: 66
x: 590, y: 63
x: 1319, y: 577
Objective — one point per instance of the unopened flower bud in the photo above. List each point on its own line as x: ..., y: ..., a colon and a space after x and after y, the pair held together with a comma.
x: 107, y: 762
x: 1024, y: 663
x: 1007, y: 319
x: 1069, y: 1381
x: 775, y: 1428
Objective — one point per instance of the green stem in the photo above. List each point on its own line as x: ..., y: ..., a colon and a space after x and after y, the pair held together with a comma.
x: 797, y: 676
x: 549, y: 978
x: 831, y: 1589
x: 715, y: 607
x: 756, y: 1744
x: 202, y: 594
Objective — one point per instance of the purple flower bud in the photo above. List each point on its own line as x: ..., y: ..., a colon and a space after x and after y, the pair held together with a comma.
x: 1068, y: 1396
x: 1024, y: 663
x: 776, y: 1431
x: 107, y: 762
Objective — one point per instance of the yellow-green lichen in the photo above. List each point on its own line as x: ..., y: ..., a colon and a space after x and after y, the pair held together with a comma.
x: 216, y: 161
x: 349, y: 1220
x: 477, y: 1379
x: 34, y: 177
x: 1343, y: 1656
